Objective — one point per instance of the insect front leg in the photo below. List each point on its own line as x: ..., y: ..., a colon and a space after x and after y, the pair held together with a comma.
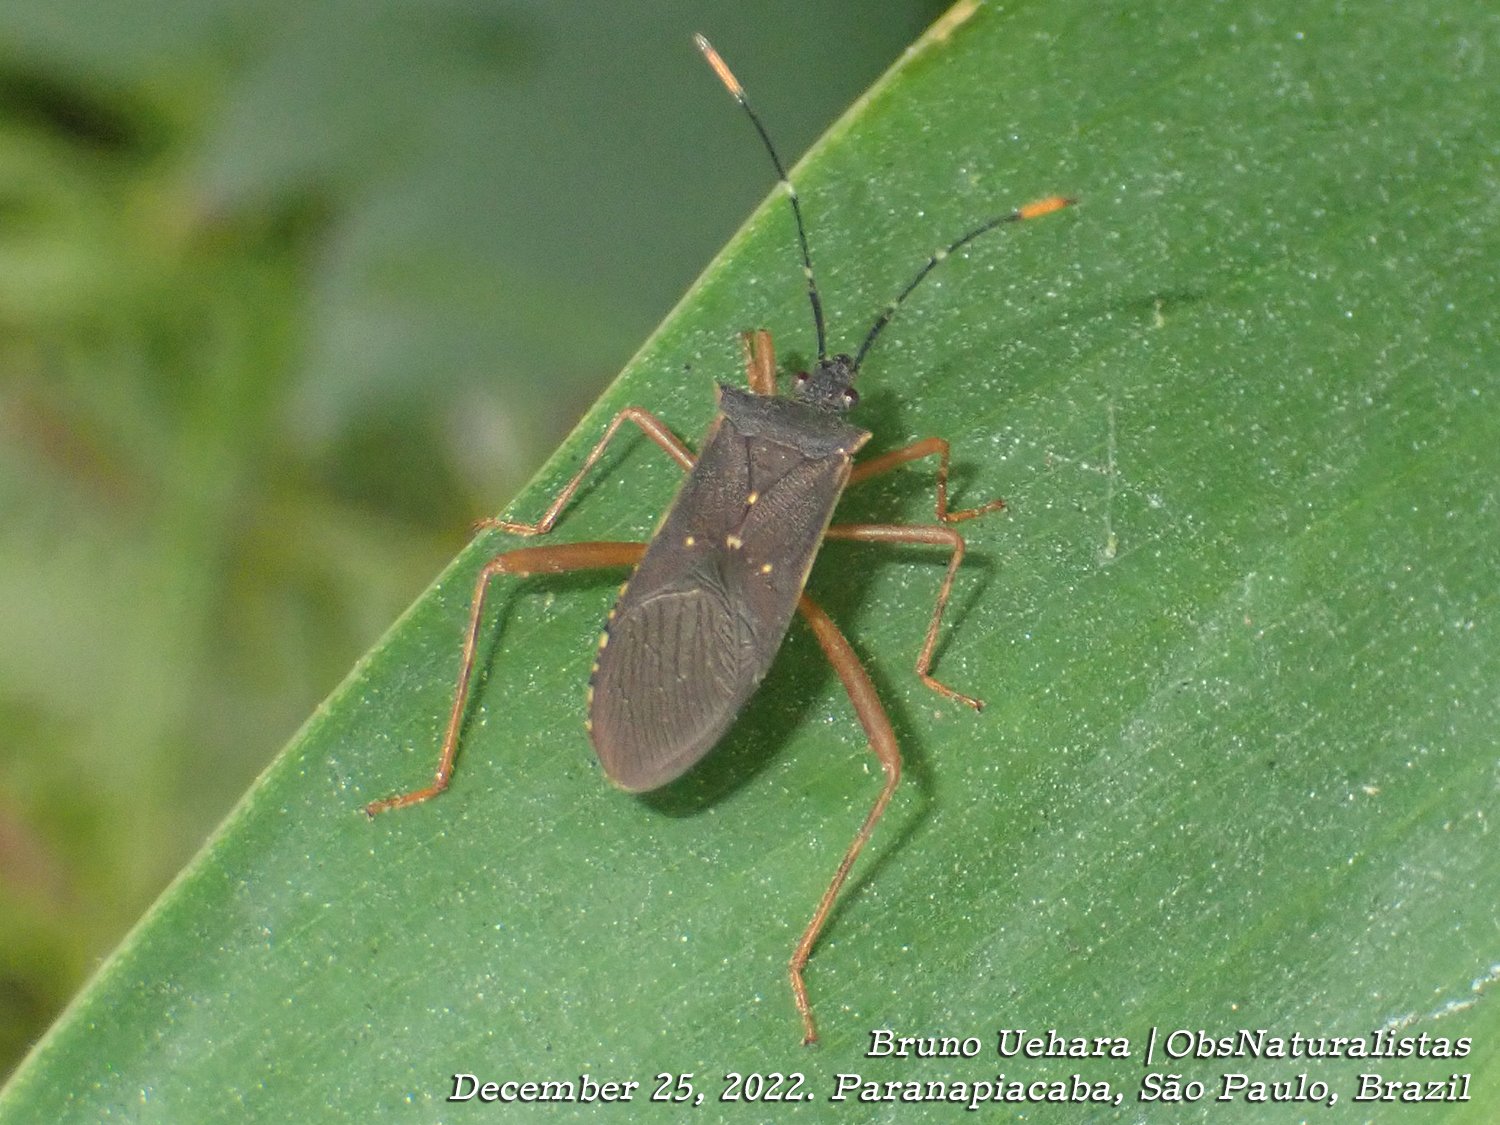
x: 760, y: 361
x: 650, y: 425
x: 925, y: 535
x: 521, y: 562
x: 885, y: 462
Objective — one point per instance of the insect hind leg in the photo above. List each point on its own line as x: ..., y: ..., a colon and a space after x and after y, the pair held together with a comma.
x: 882, y: 741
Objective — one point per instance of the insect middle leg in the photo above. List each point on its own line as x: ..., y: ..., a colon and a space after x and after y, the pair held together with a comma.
x: 885, y: 462
x: 931, y: 535
x: 926, y: 535
x: 921, y: 534
x: 523, y: 561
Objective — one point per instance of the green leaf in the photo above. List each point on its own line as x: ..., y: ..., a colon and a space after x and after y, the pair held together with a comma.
x: 1237, y: 636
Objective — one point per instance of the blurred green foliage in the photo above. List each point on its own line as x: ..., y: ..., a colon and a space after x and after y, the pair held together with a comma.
x: 289, y: 294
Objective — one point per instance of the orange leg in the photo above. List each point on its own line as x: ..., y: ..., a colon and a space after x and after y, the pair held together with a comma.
x: 520, y: 562
x: 921, y: 534
x: 650, y: 425
x: 857, y: 683
x: 760, y: 361
x: 883, y: 742
x: 885, y: 462
x: 536, y: 560
x: 926, y: 535
x: 760, y: 374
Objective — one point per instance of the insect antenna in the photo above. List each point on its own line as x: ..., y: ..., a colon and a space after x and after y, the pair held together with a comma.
x: 1030, y: 211
x: 732, y: 84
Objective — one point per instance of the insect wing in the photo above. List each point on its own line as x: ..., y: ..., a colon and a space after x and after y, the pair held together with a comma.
x: 700, y: 620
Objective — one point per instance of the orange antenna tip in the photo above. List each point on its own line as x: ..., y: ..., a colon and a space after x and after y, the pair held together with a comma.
x: 1045, y: 206
x: 726, y: 76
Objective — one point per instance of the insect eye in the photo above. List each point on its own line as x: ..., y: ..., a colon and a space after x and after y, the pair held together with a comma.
x: 801, y: 378
x: 851, y: 397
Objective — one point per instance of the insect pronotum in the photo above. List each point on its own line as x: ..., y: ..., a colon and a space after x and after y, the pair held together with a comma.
x: 712, y: 594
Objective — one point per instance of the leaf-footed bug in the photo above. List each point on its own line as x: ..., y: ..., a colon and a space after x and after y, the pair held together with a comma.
x: 712, y: 594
